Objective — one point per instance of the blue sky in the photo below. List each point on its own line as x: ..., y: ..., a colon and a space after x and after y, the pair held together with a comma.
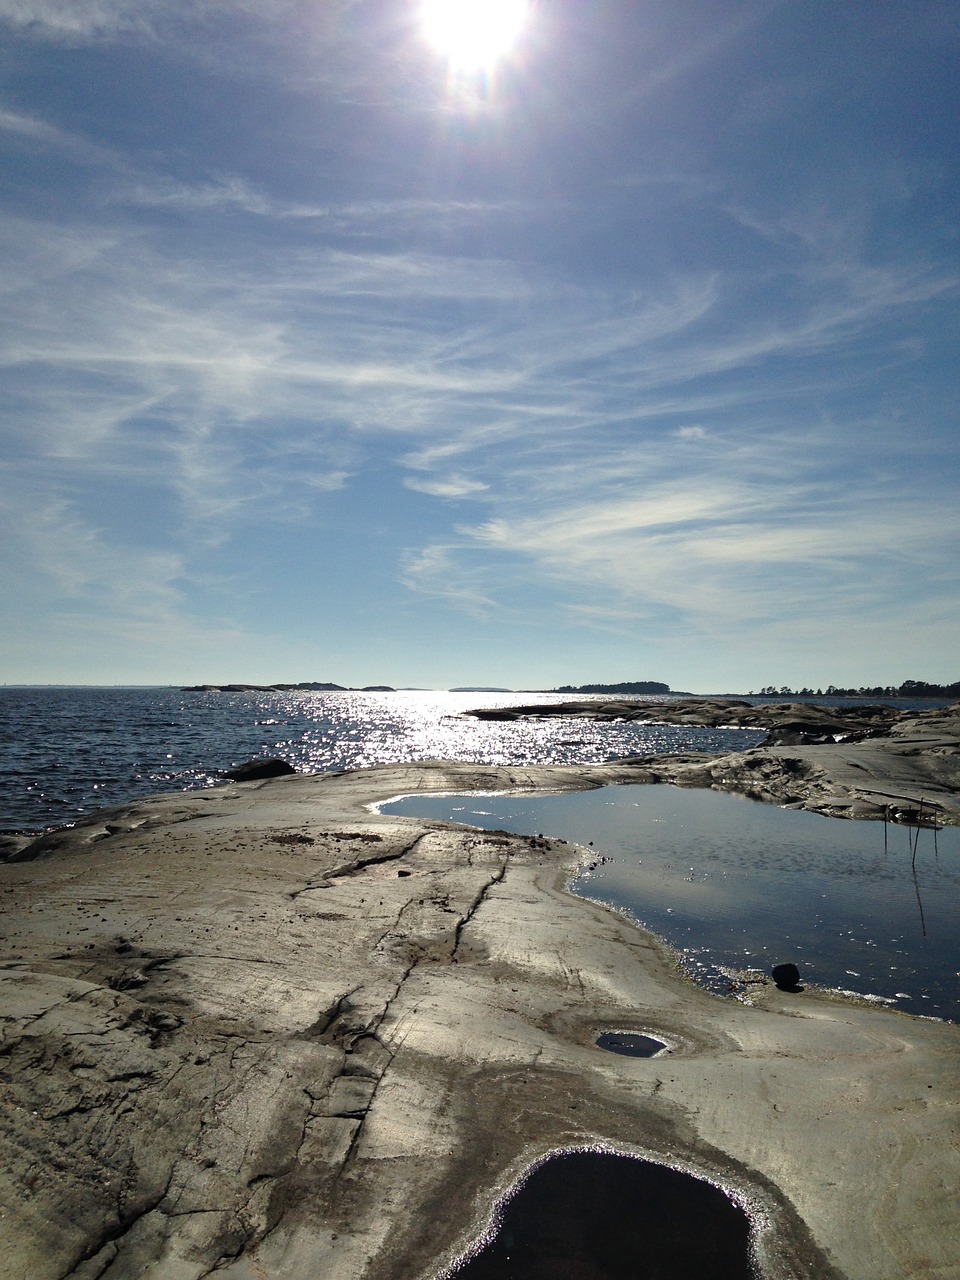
x: 634, y: 357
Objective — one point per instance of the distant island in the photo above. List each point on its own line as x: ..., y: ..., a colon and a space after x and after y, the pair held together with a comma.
x: 625, y: 686
x: 314, y: 686
x: 480, y: 688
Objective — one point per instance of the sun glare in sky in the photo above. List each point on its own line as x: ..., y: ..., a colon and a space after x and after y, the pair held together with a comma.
x: 472, y: 34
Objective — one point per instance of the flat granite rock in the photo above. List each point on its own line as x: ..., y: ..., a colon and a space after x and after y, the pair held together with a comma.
x: 236, y: 1038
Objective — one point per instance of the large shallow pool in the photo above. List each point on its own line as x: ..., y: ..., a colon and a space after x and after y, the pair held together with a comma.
x: 736, y: 885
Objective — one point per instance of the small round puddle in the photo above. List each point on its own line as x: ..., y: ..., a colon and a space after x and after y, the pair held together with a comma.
x: 630, y: 1043
x: 597, y: 1216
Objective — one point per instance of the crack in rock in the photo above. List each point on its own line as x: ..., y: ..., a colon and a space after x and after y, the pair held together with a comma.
x: 475, y: 907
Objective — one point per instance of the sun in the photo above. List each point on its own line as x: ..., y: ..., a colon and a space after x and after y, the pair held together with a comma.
x: 472, y: 34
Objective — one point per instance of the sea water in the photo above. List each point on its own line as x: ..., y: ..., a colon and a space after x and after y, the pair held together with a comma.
x: 65, y: 752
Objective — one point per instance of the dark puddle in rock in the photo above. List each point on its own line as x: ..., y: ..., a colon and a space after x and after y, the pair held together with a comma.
x: 630, y: 1043
x: 597, y: 1216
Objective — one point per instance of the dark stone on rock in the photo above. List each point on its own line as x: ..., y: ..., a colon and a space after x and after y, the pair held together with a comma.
x: 255, y: 769
x: 786, y: 976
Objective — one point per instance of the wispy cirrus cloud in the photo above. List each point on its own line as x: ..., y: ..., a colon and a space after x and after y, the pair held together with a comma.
x: 130, y: 354
x: 440, y: 573
x: 640, y: 441
x: 73, y: 560
x: 82, y: 19
x: 148, y: 20
x: 745, y: 529
x: 362, y: 219
x: 122, y: 611
x: 452, y: 486
x: 31, y: 128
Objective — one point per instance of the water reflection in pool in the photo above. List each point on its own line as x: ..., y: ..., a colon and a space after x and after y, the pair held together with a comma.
x: 737, y: 885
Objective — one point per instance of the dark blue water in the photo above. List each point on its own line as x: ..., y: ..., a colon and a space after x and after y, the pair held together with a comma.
x: 736, y: 885
x: 596, y: 1215
x: 67, y: 751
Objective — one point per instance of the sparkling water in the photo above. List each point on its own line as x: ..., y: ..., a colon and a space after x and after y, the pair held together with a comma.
x: 67, y: 751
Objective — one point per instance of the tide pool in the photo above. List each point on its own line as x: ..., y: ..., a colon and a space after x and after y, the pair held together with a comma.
x: 736, y: 885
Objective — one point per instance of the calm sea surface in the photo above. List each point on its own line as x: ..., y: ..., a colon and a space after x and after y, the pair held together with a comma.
x: 67, y: 751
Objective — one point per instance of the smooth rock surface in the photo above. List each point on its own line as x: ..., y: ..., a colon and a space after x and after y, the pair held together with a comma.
x: 236, y: 1039
x: 908, y: 772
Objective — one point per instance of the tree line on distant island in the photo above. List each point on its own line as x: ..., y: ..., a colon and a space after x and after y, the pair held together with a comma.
x: 909, y: 689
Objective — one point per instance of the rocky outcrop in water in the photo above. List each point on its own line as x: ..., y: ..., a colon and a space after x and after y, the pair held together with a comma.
x: 910, y: 773
x: 256, y: 769
x: 786, y: 718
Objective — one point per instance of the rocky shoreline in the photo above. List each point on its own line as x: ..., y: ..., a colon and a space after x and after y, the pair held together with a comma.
x: 803, y: 720
x: 262, y: 1030
x: 873, y: 762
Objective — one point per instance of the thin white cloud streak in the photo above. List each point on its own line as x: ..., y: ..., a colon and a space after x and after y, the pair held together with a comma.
x: 727, y: 531
x: 369, y: 217
x: 29, y: 127
x: 447, y: 487
x: 80, y: 19
x: 439, y: 572
x: 167, y: 320
x: 94, y: 21
x: 732, y: 558
x: 335, y: 46
x: 30, y: 133
x: 124, y: 183
x: 106, y: 607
